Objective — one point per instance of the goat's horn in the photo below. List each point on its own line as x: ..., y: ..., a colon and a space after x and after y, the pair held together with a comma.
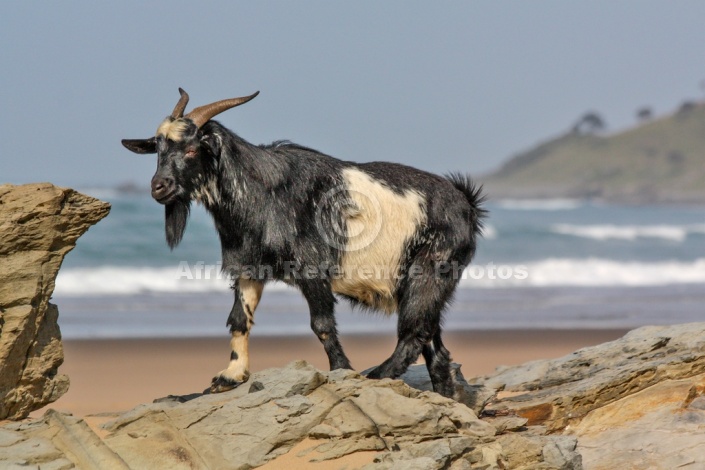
x: 181, y: 105
x: 203, y: 114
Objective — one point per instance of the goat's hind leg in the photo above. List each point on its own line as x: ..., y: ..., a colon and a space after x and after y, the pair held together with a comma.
x: 421, y: 303
x: 240, y: 320
x: 410, y: 345
x: 438, y: 360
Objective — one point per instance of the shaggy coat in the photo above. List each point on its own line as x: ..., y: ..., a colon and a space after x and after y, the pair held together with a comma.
x: 385, y: 236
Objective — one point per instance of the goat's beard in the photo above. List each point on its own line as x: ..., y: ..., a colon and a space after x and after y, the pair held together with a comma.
x: 175, y: 218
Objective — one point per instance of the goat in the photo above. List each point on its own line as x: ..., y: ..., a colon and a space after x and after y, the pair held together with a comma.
x: 383, y: 235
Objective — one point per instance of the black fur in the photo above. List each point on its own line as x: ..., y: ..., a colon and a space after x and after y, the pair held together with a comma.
x: 282, y: 207
x: 237, y: 320
x: 141, y: 145
x: 321, y: 305
x: 175, y: 219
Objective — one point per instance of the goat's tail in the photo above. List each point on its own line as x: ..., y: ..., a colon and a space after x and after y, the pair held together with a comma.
x: 475, y: 197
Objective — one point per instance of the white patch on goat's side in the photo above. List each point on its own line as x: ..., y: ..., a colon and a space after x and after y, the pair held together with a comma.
x: 378, y: 229
x: 172, y: 129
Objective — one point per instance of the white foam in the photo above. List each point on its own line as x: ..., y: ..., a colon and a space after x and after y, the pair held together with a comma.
x: 489, y: 232
x: 677, y: 233
x: 112, y: 280
x: 589, y: 272
x: 117, y: 280
x: 540, y: 204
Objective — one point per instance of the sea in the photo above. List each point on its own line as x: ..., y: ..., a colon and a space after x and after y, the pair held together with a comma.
x: 557, y: 264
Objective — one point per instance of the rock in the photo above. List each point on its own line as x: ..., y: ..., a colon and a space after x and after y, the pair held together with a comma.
x: 556, y: 393
x: 57, y: 441
x: 654, y: 428
x: 507, y: 423
x: 337, y: 413
x: 345, y: 412
x: 474, y: 396
x: 39, y: 224
x: 335, y: 449
x: 561, y: 453
x: 637, y: 402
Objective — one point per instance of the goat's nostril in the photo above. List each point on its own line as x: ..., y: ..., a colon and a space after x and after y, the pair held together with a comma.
x: 161, y: 186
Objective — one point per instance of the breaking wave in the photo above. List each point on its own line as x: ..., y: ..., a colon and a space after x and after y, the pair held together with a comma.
x: 676, y: 233
x: 489, y: 232
x: 591, y: 272
x: 114, y: 280
x: 540, y: 204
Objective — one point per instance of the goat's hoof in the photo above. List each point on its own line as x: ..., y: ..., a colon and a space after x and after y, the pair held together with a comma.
x: 374, y: 373
x: 221, y: 384
x: 448, y: 391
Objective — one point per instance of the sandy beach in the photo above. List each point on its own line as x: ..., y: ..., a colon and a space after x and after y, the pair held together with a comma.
x: 116, y: 375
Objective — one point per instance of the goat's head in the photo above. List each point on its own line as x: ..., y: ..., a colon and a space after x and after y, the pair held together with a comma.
x: 182, y: 147
x: 184, y: 152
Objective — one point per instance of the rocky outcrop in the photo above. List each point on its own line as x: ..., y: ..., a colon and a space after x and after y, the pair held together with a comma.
x: 39, y: 224
x: 636, y: 402
x: 327, y: 415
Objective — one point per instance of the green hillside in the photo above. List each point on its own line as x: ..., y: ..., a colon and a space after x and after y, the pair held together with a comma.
x: 662, y: 160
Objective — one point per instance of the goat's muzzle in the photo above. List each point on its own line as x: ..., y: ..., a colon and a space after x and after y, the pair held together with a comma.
x: 163, y: 189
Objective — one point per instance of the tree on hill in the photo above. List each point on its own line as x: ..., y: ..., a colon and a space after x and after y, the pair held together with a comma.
x: 686, y: 107
x: 644, y: 114
x: 589, y: 123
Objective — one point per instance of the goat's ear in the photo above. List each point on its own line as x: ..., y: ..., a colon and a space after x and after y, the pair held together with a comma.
x: 212, y: 143
x: 141, y: 145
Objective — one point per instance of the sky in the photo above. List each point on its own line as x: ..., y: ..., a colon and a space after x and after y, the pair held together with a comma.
x: 451, y: 86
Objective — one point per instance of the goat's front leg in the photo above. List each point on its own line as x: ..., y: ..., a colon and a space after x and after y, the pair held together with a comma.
x: 321, y: 304
x: 247, y: 295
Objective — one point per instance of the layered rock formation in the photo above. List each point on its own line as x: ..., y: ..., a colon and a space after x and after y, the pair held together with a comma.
x: 328, y: 415
x: 637, y: 402
x: 39, y: 224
